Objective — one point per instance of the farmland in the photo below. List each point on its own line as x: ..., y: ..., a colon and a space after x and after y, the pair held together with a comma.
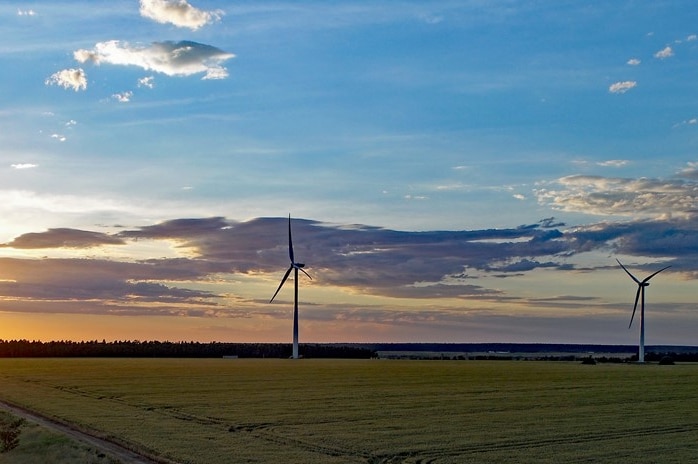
x: 369, y: 411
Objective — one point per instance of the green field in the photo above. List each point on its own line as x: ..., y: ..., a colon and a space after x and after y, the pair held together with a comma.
x: 370, y: 411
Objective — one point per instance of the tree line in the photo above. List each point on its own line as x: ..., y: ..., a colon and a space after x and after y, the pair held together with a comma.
x: 157, y: 349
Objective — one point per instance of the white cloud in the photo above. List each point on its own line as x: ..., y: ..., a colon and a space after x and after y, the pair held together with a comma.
x: 687, y: 122
x: 622, y: 87
x: 69, y: 79
x: 666, y: 52
x: 178, y: 12
x: 691, y: 38
x: 71, y: 123
x: 624, y: 197
x: 613, y: 163
x: 634, y: 61
x: 146, y: 82
x: 171, y: 58
x: 123, y: 97
x: 518, y: 196
x: 26, y: 13
x: 24, y: 166
x: 59, y: 137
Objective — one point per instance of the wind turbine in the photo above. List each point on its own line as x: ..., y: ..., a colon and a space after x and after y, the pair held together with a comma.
x: 640, y: 292
x: 295, y: 267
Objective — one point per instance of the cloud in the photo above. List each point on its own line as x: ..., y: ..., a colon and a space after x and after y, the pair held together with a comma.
x: 178, y: 12
x: 613, y: 163
x: 26, y: 12
x: 519, y: 196
x: 690, y: 171
x: 634, y: 62
x: 123, y: 97
x: 691, y: 38
x: 358, y: 259
x: 620, y: 196
x: 622, y: 87
x: 664, y: 53
x: 62, y: 238
x: 147, y: 81
x: 687, y: 122
x: 367, y: 260
x: 108, y: 287
x: 24, y: 166
x: 69, y: 79
x: 182, y: 58
x: 59, y: 137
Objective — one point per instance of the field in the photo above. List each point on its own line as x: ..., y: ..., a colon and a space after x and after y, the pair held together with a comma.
x: 372, y: 411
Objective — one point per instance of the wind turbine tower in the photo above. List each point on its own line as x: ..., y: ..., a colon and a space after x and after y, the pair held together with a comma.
x: 295, y: 267
x: 640, y: 295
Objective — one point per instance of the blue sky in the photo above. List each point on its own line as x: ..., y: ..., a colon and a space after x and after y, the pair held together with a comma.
x: 457, y: 171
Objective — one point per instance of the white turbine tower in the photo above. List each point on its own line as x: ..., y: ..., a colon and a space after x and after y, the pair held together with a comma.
x: 640, y: 293
x: 295, y: 267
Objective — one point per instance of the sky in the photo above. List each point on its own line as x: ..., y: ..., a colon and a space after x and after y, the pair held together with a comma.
x: 456, y: 171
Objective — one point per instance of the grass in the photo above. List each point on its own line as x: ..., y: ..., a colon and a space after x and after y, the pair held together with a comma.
x: 38, y: 444
x: 329, y: 411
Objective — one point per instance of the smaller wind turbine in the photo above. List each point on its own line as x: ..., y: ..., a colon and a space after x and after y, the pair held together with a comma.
x: 640, y: 292
x: 295, y: 267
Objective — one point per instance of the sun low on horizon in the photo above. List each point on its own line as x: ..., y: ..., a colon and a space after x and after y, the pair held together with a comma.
x: 453, y: 171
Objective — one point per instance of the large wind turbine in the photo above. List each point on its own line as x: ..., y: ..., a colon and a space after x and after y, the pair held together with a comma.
x: 295, y: 267
x: 640, y: 292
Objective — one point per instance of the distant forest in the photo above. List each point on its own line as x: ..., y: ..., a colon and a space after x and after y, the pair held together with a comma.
x: 458, y: 351
x: 155, y: 349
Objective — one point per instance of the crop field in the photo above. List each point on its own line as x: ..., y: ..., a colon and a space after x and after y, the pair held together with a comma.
x: 370, y: 411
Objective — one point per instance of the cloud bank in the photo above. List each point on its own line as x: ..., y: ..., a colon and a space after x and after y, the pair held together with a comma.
x: 179, y: 13
x: 182, y: 58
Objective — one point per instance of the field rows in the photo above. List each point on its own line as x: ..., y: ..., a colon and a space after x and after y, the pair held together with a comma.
x: 206, y: 411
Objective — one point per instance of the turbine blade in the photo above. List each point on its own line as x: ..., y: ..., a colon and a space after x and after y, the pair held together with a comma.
x: 637, y: 297
x: 290, y: 240
x: 628, y: 272
x: 648, y: 278
x: 283, y: 281
x: 303, y: 271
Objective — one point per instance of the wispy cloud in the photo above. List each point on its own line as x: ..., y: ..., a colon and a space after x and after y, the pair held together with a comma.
x: 664, y: 53
x: 179, y: 13
x: 622, y: 86
x: 24, y: 165
x: 634, y: 62
x: 183, y: 58
x: 29, y: 12
x: 69, y: 79
x: 613, y: 163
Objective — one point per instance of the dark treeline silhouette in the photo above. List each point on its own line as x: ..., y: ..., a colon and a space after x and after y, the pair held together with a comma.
x: 156, y: 349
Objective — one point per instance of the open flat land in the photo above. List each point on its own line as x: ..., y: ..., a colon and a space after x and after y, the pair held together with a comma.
x: 369, y: 411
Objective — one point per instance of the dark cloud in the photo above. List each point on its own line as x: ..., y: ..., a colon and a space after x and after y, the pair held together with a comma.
x: 92, y: 279
x: 63, y: 238
x: 364, y: 259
